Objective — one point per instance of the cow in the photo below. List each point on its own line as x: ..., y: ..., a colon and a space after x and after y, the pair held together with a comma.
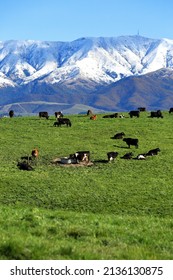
x: 131, y: 142
x: 119, y: 135
x: 81, y: 156
x: 44, y: 115
x: 94, y: 117
x: 11, y: 113
x: 141, y: 157
x: 142, y: 109
x: 89, y: 112
x: 34, y: 153
x: 24, y: 166
x: 134, y: 114
x: 111, y: 156
x: 171, y: 110
x: 115, y: 115
x: 59, y: 115
x: 156, y: 114
x: 61, y: 121
x: 153, y: 152
x: 127, y: 156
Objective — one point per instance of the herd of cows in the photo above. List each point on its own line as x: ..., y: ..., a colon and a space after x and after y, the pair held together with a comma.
x: 84, y: 156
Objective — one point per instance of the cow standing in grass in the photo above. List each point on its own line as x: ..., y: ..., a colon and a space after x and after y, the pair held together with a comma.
x: 131, y: 142
x: 44, y: 115
x: 11, y: 113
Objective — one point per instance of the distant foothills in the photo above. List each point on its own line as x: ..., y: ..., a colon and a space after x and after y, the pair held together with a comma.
x: 103, y: 74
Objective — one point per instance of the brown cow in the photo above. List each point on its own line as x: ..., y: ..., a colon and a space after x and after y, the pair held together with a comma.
x: 94, y: 117
x: 35, y: 153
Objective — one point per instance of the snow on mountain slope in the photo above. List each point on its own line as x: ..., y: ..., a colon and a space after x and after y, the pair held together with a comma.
x: 102, y: 60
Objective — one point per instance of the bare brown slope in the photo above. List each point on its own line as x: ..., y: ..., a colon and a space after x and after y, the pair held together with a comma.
x: 153, y: 90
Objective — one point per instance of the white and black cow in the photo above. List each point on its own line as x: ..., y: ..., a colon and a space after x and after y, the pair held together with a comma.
x: 112, y: 155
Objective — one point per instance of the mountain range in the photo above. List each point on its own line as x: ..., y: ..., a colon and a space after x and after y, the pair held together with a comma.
x: 105, y: 74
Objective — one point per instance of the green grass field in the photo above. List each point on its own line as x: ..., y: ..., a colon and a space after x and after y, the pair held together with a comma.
x: 117, y: 210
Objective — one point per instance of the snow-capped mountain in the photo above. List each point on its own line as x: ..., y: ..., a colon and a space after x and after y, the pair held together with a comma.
x: 75, y: 71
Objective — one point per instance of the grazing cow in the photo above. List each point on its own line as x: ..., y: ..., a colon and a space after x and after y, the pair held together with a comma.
x: 153, y: 152
x: 121, y: 116
x: 35, y: 153
x: 89, y: 112
x: 61, y: 121
x: 127, y: 156
x: 44, y: 115
x: 24, y: 166
x: 142, y: 109
x: 81, y: 156
x: 94, y: 117
x: 171, y: 110
x: 59, y: 115
x: 157, y: 114
x: 112, y: 155
x: 131, y: 142
x: 119, y: 135
x: 11, y: 113
x: 115, y: 115
x: 134, y: 114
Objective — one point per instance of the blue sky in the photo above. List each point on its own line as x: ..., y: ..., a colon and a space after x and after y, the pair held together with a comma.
x: 67, y: 20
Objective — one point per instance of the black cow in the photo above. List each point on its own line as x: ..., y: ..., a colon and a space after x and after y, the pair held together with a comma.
x: 11, y: 113
x: 81, y: 156
x: 153, y: 152
x: 61, y: 121
x: 127, y: 156
x: 131, y: 142
x: 44, y: 115
x: 59, y: 115
x: 171, y: 110
x: 115, y: 115
x: 119, y: 135
x: 89, y: 112
x: 112, y: 155
x: 156, y: 114
x: 134, y: 114
x: 142, y: 109
x: 24, y: 166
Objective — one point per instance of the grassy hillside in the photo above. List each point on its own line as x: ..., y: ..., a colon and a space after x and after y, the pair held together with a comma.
x: 117, y: 210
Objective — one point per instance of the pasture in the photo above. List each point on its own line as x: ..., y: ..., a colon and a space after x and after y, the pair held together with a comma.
x: 116, y: 210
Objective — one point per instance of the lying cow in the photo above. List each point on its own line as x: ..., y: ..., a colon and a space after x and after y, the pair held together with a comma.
x: 24, y: 166
x: 127, y: 156
x: 153, y: 152
x: 157, y: 114
x: 94, y: 117
x: 115, y: 115
x: 134, y: 114
x: 81, y: 156
x: 131, y: 142
x: 119, y: 135
x: 61, y: 121
x: 44, y: 115
x: 112, y: 155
